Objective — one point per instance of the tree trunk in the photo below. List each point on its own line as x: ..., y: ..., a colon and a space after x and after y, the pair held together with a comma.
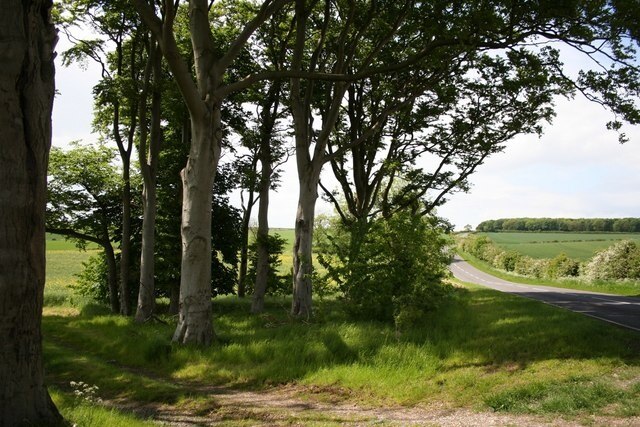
x: 146, y: 292
x: 302, y: 253
x: 262, y: 240
x: 26, y: 89
x: 112, y: 276
x: 194, y: 323
x: 125, y: 244
x: 244, y: 249
x: 148, y: 166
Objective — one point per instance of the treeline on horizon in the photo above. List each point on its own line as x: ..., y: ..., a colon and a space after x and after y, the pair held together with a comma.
x: 617, y: 225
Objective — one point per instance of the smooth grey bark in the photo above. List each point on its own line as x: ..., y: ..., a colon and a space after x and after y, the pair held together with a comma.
x: 125, y: 157
x: 203, y: 98
x: 262, y: 238
x: 149, y: 168
x: 309, y: 163
x: 112, y: 277
x: 301, y: 305
x: 244, y: 248
x: 194, y: 322
x: 27, y: 40
x: 125, y: 244
x: 269, y: 118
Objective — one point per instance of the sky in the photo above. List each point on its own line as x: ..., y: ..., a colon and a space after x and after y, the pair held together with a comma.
x: 577, y: 169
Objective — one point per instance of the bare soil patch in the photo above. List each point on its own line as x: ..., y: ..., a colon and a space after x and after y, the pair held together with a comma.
x: 295, y: 405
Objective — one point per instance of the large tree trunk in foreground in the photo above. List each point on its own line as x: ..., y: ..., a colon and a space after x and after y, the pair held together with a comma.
x: 194, y: 323
x: 27, y: 39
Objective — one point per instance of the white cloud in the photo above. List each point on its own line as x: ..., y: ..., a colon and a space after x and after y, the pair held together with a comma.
x: 577, y: 169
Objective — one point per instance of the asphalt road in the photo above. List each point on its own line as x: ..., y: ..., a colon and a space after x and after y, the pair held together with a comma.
x: 622, y: 311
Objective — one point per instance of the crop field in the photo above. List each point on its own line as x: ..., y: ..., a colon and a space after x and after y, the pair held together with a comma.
x: 580, y: 246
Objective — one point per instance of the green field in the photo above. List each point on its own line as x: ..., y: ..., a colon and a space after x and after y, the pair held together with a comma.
x: 581, y: 246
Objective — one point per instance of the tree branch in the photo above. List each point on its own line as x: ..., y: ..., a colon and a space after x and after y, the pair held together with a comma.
x: 76, y: 235
x: 267, y: 9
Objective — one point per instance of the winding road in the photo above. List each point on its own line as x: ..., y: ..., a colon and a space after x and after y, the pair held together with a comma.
x: 619, y: 310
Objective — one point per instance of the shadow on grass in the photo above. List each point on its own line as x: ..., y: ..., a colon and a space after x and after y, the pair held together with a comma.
x: 482, y: 329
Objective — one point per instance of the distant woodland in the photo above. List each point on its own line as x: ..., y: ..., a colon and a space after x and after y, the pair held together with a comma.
x: 620, y: 225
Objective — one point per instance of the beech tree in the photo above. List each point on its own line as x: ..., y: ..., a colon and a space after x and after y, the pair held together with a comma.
x: 203, y: 98
x: 263, y: 138
x: 84, y: 203
x: 28, y: 38
x: 336, y: 44
x: 119, y: 53
x: 429, y: 47
x: 149, y: 151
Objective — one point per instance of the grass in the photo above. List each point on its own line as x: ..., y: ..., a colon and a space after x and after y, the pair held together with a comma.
x: 87, y: 413
x: 483, y: 350
x: 627, y: 288
x: 580, y: 246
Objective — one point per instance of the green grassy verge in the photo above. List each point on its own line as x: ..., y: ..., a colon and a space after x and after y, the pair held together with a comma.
x: 580, y: 246
x: 485, y: 350
x: 616, y: 288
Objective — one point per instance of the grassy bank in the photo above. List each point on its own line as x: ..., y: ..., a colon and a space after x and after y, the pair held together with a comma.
x: 484, y: 350
x: 617, y: 288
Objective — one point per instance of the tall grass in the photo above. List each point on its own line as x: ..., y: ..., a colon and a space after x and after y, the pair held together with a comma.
x: 86, y: 413
x: 483, y: 350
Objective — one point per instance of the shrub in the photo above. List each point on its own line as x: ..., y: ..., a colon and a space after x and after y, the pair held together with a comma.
x: 618, y: 262
x: 563, y: 266
x: 507, y: 260
x: 532, y: 267
x: 92, y: 281
x: 387, y: 269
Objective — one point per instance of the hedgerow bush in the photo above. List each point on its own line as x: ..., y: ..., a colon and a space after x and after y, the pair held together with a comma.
x: 483, y: 248
x: 618, y: 262
x: 532, y: 267
x: 563, y: 266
